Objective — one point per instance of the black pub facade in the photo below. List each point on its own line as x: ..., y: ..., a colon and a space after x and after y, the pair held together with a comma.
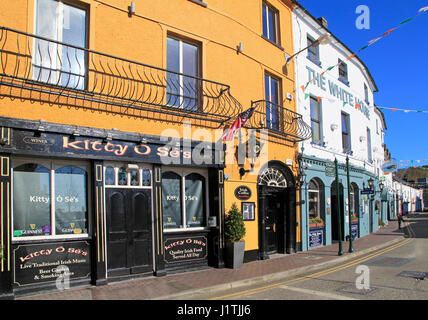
x: 82, y: 205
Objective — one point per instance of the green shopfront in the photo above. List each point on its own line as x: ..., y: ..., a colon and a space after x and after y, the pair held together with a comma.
x: 325, y: 210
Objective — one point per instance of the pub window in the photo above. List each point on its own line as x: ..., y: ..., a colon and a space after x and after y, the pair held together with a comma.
x: 49, y: 200
x: 183, y: 65
x: 122, y: 177
x: 53, y: 62
x: 109, y: 176
x: 314, y: 200
x: 183, y: 210
x: 270, y: 23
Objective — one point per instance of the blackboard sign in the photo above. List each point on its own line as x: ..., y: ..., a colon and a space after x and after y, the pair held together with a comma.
x: 38, y: 263
x: 185, y: 249
x: 243, y: 193
x: 316, y: 237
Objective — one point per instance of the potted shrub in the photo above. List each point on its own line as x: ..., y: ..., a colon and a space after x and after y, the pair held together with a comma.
x: 354, y: 219
x: 316, y: 222
x: 234, y: 232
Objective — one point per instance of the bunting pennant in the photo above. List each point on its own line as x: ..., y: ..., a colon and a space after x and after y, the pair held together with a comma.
x: 371, y: 42
x: 404, y: 110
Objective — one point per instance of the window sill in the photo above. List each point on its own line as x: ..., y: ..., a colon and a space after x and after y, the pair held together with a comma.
x: 274, y: 43
x: 199, y: 2
x: 317, y: 62
x: 43, y: 239
x: 345, y: 82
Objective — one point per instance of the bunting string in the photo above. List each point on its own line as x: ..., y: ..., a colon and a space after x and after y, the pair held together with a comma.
x: 371, y: 42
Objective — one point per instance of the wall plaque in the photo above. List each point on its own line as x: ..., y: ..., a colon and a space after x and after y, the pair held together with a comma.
x: 243, y: 193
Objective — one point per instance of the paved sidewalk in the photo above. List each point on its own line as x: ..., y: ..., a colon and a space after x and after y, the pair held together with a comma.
x: 184, y: 284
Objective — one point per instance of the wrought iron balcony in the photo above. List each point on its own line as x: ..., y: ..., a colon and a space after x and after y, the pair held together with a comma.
x: 39, y: 69
x: 280, y: 122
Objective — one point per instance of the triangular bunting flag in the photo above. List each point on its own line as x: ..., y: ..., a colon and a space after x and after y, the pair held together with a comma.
x: 303, y: 88
x: 403, y: 22
x: 307, y: 95
x: 357, y: 106
x: 345, y: 103
x: 388, y: 32
x: 319, y: 99
x: 423, y: 9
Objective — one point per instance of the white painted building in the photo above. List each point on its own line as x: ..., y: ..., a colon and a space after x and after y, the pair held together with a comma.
x: 334, y: 92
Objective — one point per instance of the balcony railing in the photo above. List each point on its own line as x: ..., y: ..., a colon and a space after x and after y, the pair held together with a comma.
x: 39, y: 69
x: 280, y: 121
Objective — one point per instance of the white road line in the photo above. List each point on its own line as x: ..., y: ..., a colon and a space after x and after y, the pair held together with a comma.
x: 318, y: 293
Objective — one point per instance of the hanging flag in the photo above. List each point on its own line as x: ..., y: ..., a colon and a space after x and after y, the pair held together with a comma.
x: 240, y: 122
x: 388, y: 32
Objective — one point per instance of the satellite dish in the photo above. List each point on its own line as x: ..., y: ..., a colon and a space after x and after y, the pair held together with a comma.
x: 389, y: 166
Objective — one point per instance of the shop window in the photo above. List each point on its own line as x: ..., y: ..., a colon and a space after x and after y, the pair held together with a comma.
x: 55, y: 63
x: 270, y: 23
x: 183, y: 84
x: 31, y: 200
x: 314, y: 200
x: 171, y: 200
x: 70, y: 200
x: 45, y: 209
x: 146, y: 178
x: 194, y: 199
x: 183, y: 210
x: 354, y: 201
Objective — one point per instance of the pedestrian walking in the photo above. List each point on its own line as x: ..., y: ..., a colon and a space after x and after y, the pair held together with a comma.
x: 400, y: 220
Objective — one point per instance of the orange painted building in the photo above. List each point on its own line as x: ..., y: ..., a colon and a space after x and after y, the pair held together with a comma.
x: 112, y: 115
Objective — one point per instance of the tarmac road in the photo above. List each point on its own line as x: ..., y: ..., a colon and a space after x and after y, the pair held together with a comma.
x: 397, y: 272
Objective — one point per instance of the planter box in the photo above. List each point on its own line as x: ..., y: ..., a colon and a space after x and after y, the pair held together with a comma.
x: 316, y: 225
x: 234, y: 257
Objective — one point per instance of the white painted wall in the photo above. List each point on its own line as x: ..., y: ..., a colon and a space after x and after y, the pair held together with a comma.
x: 332, y: 106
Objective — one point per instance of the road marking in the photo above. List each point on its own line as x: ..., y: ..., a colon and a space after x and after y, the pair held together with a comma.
x: 318, y: 293
x: 324, y: 272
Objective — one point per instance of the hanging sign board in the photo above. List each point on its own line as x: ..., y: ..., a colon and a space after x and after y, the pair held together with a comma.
x: 243, y: 193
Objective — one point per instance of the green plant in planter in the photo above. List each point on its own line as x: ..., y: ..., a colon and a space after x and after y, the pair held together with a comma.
x: 234, y: 225
x: 234, y: 232
x: 316, y: 220
x: 354, y: 218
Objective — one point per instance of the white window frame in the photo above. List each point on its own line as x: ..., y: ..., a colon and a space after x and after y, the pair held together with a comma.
x: 317, y: 191
x: 52, y: 165
x: 183, y: 172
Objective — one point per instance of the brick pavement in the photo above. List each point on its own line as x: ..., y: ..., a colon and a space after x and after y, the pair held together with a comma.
x: 174, y: 285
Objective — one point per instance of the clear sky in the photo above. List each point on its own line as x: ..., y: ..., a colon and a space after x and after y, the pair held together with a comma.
x: 398, y: 63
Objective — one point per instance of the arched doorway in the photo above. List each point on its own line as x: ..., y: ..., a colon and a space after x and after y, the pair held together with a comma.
x: 335, y: 211
x: 277, y: 210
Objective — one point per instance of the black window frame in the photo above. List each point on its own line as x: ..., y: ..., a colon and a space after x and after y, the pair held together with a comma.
x: 343, y: 72
x: 346, y: 136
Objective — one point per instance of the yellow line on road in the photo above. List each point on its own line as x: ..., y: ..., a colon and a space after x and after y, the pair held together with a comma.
x: 322, y: 273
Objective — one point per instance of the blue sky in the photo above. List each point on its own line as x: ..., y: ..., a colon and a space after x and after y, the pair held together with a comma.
x: 398, y: 63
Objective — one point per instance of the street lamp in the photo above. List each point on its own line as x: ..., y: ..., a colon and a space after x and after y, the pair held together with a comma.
x: 322, y: 40
x: 370, y: 181
x: 381, y: 185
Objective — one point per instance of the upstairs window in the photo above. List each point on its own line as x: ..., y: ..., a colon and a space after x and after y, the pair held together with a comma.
x: 272, y: 97
x: 369, y: 146
x: 313, y: 50
x: 54, y: 63
x: 316, y: 121
x: 346, y: 133
x: 183, y: 84
x: 270, y: 23
x: 343, y: 72
x: 366, y: 94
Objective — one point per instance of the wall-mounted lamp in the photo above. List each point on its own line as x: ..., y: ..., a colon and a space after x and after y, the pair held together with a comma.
x: 362, y: 138
x: 239, y: 47
x: 322, y: 40
x: 131, y: 9
x: 334, y: 126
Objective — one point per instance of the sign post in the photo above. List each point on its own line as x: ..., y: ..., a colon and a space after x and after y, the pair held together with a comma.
x: 338, y: 208
x: 351, y: 248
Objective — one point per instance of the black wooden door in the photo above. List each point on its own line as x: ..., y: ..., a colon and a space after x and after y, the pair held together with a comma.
x: 129, y: 231
x: 271, y: 224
